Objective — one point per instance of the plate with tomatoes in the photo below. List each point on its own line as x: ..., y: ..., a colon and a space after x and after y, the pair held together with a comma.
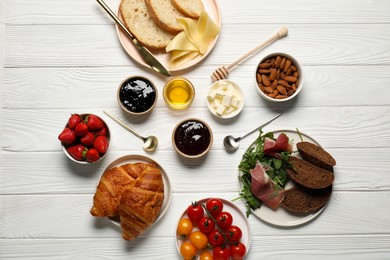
x: 212, y: 228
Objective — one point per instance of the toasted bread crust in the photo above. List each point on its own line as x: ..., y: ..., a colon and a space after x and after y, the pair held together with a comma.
x: 137, y: 19
x: 316, y: 155
x: 164, y: 14
x: 191, y: 8
x: 300, y: 200
x: 309, y: 175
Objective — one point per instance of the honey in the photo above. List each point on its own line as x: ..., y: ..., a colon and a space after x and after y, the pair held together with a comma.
x: 178, y: 93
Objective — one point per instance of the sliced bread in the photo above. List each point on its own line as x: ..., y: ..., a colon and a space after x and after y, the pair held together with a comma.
x: 191, y: 8
x: 300, y: 200
x: 137, y: 19
x: 316, y: 155
x: 309, y: 175
x: 164, y: 14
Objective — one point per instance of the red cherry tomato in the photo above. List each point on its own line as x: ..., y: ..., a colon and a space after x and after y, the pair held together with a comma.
x: 195, y: 212
x: 206, y: 225
x: 237, y: 251
x: 224, y: 220
x: 216, y: 239
x: 214, y: 206
x: 220, y: 253
x: 233, y: 234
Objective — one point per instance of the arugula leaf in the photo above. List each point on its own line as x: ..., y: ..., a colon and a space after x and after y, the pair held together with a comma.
x: 276, y: 169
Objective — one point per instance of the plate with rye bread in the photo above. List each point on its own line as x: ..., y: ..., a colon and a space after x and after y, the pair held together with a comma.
x: 133, y: 192
x: 309, y: 187
x: 210, y: 6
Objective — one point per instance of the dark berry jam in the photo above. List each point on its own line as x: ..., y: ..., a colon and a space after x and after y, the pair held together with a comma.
x: 137, y: 94
x: 192, y: 137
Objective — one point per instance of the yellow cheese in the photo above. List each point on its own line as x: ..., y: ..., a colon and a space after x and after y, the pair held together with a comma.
x: 194, y: 40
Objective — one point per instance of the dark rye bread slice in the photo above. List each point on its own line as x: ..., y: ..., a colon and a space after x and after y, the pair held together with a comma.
x: 316, y: 155
x: 300, y: 200
x: 309, y: 175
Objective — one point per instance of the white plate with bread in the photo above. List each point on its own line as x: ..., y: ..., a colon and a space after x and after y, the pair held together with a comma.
x: 142, y: 21
x: 134, y: 192
x: 282, y: 217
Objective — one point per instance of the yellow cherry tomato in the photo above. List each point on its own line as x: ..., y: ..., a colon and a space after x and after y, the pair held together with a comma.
x: 184, y: 228
x: 206, y: 256
x: 198, y: 239
x: 187, y: 251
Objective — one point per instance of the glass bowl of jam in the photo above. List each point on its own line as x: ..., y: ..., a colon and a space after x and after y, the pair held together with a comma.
x: 192, y: 138
x: 137, y: 95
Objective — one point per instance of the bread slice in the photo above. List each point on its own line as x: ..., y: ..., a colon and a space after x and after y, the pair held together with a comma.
x: 309, y: 175
x: 164, y: 14
x: 137, y: 19
x: 191, y: 8
x: 316, y: 155
x: 300, y: 200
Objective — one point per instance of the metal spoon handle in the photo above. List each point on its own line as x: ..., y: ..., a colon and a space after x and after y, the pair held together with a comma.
x: 262, y: 125
x: 123, y: 124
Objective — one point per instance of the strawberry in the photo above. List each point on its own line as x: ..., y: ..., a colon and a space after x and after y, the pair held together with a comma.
x: 103, y: 131
x: 101, y: 144
x: 77, y: 151
x: 74, y: 120
x: 87, y: 140
x: 67, y: 136
x: 81, y: 129
x: 94, y: 123
x: 92, y: 155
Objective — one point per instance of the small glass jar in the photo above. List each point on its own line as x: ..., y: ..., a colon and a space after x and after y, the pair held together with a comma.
x: 178, y: 93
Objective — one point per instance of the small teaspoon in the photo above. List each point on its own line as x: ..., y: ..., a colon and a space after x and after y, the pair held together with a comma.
x: 231, y: 143
x: 150, y: 142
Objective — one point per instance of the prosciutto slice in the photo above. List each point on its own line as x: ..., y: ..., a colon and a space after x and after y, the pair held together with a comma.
x: 264, y: 189
x: 273, y: 147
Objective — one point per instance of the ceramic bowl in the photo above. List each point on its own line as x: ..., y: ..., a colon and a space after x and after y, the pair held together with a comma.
x: 225, y: 99
x: 105, y: 131
x: 278, y: 77
x: 192, y: 138
x: 137, y: 95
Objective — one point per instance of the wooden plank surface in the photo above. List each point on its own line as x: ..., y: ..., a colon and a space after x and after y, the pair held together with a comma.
x: 58, y: 58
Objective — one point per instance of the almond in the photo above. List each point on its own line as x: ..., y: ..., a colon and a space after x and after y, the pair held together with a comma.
x: 281, y: 90
x: 268, y: 89
x: 273, y: 94
x: 290, y: 79
x: 265, y: 65
x: 283, y: 63
x: 277, y: 62
x: 258, y: 77
x: 287, y: 65
x: 265, y: 80
x: 272, y: 75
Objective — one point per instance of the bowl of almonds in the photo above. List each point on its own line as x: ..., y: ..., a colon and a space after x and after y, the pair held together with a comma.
x: 279, y: 77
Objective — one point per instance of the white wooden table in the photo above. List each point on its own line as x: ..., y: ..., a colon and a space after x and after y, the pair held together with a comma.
x: 63, y: 57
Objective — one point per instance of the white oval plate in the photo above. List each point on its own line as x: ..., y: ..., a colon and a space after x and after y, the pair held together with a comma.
x: 212, y: 9
x: 239, y: 220
x: 281, y: 217
x: 143, y: 159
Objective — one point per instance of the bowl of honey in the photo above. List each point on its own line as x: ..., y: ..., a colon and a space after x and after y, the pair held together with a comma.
x: 178, y: 93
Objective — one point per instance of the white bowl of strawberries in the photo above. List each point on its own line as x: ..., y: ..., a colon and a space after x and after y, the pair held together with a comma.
x: 85, y: 138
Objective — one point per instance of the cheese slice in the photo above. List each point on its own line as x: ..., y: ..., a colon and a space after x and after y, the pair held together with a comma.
x: 194, y: 40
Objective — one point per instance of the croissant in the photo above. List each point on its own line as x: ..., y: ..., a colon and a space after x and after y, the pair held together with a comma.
x: 111, y: 186
x: 141, y: 203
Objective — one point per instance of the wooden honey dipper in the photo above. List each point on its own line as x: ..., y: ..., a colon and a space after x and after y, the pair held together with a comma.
x: 223, y: 72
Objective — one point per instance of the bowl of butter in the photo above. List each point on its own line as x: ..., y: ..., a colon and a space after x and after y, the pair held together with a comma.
x: 225, y: 99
